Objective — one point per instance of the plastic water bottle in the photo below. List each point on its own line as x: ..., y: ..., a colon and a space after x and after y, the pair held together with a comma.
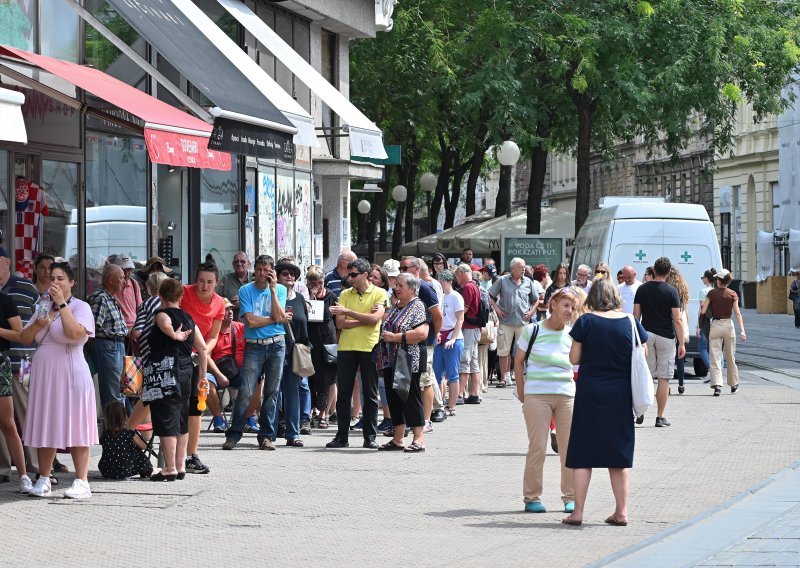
x: 44, y: 305
x: 202, y: 394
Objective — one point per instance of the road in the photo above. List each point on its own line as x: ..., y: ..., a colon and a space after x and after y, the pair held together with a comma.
x: 458, y: 504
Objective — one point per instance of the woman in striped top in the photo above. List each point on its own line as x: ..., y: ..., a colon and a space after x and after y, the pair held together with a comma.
x: 545, y: 386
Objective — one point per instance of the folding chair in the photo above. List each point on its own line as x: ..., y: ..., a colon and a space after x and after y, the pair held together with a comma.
x: 144, y: 433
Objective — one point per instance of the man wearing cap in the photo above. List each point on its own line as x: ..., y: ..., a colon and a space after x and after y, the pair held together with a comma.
x: 154, y: 264
x: 24, y: 295
x: 231, y: 283
x: 129, y: 297
x: 515, y: 299
x: 107, y: 349
x: 333, y: 279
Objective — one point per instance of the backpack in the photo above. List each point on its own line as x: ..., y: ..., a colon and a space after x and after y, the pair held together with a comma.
x: 482, y: 317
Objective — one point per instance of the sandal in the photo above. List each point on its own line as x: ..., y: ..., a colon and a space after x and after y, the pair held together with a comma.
x: 59, y: 467
x: 502, y: 384
x: 414, y: 448
x: 390, y: 446
x: 613, y: 521
x: 323, y: 424
x: 161, y: 477
x: 296, y: 443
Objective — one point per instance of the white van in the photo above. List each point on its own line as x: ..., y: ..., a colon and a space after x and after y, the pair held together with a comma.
x: 636, y: 234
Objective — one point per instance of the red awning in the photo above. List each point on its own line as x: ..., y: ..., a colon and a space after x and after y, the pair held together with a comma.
x: 172, y: 136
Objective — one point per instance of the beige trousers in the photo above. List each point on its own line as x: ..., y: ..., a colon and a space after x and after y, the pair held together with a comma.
x: 723, y: 337
x: 538, y: 410
x: 483, y: 359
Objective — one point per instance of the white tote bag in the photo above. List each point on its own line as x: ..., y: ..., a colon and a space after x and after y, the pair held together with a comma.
x: 641, y: 379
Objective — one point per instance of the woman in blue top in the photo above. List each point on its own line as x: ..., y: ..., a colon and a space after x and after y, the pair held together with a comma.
x: 544, y: 383
x: 602, y: 432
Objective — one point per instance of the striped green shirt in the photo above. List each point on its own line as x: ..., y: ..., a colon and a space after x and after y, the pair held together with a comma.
x: 548, y: 370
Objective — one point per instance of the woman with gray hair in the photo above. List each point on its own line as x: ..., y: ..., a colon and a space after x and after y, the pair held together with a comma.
x: 602, y: 433
x: 405, y: 326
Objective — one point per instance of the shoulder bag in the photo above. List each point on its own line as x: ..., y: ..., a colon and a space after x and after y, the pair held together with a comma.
x: 302, y: 365
x: 132, y: 376
x: 401, y: 382
x: 642, y: 391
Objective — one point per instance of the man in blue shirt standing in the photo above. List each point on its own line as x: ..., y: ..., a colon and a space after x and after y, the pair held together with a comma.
x: 261, y: 308
x: 333, y: 279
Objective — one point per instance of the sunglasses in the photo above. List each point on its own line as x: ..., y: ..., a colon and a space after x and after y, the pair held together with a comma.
x: 564, y: 292
x: 404, y: 268
x: 602, y: 272
x: 285, y: 273
x: 354, y: 274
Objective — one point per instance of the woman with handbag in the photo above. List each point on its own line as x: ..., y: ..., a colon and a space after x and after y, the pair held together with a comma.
x: 402, y: 359
x: 602, y: 434
x: 322, y: 335
x: 292, y: 383
x: 545, y: 386
x: 168, y: 378
x: 722, y: 303
x: 61, y: 401
x: 676, y: 280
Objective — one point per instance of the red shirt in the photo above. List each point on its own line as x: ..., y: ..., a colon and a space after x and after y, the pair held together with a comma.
x: 203, y: 315
x: 224, y: 346
x: 472, y: 300
x: 129, y: 299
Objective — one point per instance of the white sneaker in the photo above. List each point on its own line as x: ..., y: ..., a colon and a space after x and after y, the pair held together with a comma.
x: 428, y: 428
x: 78, y: 490
x: 42, y: 488
x: 25, y: 484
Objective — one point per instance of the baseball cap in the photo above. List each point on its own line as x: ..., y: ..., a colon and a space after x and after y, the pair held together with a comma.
x: 4, y: 252
x: 722, y: 273
x: 392, y: 267
x: 226, y: 302
x: 490, y: 269
x: 124, y: 262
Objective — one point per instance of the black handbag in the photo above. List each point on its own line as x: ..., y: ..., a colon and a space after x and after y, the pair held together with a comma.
x: 227, y: 364
x: 401, y: 382
x: 331, y: 352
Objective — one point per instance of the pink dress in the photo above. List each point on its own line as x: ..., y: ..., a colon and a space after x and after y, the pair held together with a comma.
x: 61, y: 403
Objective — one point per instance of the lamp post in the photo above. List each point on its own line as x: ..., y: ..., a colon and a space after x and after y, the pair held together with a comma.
x: 399, y: 194
x: 428, y: 183
x: 507, y: 155
x: 364, y: 206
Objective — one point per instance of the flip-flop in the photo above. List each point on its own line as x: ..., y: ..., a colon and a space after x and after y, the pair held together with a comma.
x: 566, y: 521
x: 390, y: 446
x: 612, y: 521
x: 502, y: 384
x: 414, y: 447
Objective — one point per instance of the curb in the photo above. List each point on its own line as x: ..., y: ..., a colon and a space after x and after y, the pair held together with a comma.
x: 658, y: 537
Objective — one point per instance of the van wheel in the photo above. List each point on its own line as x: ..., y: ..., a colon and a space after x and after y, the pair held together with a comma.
x: 700, y: 369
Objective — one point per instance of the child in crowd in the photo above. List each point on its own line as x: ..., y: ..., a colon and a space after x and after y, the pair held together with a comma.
x: 121, y: 458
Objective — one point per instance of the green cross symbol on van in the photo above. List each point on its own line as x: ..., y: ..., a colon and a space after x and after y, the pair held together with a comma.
x: 640, y: 255
x: 686, y: 256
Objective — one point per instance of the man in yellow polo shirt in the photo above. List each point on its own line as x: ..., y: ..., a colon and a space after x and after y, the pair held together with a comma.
x: 359, y: 314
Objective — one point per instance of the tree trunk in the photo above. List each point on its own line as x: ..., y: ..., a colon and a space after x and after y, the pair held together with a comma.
x: 452, y: 208
x: 371, y: 235
x: 585, y: 110
x: 409, y: 180
x: 382, y: 201
x: 535, y: 190
x: 501, y: 203
x: 474, y: 174
x: 441, y: 187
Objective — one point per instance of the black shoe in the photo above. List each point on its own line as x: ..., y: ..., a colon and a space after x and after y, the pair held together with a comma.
x: 640, y: 419
x: 681, y: 389
x: 661, y: 422
x: 281, y: 431
x: 717, y: 391
x: 337, y: 443
x: 4, y: 479
x: 734, y: 389
x: 554, y: 442
x: 385, y: 426
x: 371, y: 444
x: 438, y: 416
x: 194, y: 465
x: 472, y: 399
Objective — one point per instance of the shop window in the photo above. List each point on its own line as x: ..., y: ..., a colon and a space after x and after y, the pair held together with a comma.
x: 60, y: 29
x: 18, y: 24
x: 116, y: 199
x: 219, y: 215
x: 60, y: 233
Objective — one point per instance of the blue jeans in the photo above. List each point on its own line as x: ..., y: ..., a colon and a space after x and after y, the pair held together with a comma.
x: 305, y: 401
x: 258, y: 359
x: 702, y: 347
x: 108, y: 357
x: 292, y: 388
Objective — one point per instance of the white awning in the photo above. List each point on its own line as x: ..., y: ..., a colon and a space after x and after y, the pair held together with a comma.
x: 366, y: 139
x: 12, y: 126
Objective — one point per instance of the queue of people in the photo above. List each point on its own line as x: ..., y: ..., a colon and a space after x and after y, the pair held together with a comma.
x: 382, y: 350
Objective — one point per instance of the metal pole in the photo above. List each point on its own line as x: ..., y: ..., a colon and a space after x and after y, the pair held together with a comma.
x: 430, y: 217
x: 507, y: 181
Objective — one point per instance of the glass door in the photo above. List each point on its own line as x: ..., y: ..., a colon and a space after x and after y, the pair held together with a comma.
x: 59, y: 230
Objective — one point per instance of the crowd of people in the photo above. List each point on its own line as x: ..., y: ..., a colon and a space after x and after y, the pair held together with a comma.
x: 370, y: 350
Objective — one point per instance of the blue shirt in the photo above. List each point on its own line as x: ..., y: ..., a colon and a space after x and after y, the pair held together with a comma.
x: 333, y: 282
x: 428, y: 296
x: 254, y: 300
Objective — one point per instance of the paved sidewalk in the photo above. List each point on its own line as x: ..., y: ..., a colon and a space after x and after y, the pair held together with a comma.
x: 458, y: 504
x: 760, y: 526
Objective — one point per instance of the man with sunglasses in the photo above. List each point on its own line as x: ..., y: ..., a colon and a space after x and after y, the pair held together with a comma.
x: 359, y: 313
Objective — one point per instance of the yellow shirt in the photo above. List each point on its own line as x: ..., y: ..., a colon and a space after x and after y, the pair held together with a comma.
x: 363, y: 337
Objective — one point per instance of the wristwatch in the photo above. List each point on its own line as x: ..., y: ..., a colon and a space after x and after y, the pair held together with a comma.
x: 62, y: 306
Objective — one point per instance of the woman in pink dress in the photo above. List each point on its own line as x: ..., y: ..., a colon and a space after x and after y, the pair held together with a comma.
x: 61, y: 400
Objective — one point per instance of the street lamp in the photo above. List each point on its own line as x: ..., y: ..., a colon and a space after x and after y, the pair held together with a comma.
x: 364, y: 206
x: 399, y: 193
x: 428, y: 183
x: 507, y: 155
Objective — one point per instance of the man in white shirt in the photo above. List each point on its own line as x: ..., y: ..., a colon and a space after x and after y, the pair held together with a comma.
x: 627, y: 290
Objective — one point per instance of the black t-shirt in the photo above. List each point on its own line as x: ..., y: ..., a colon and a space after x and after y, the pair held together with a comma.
x: 656, y: 300
x: 162, y: 346
x: 299, y: 324
x: 8, y: 309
